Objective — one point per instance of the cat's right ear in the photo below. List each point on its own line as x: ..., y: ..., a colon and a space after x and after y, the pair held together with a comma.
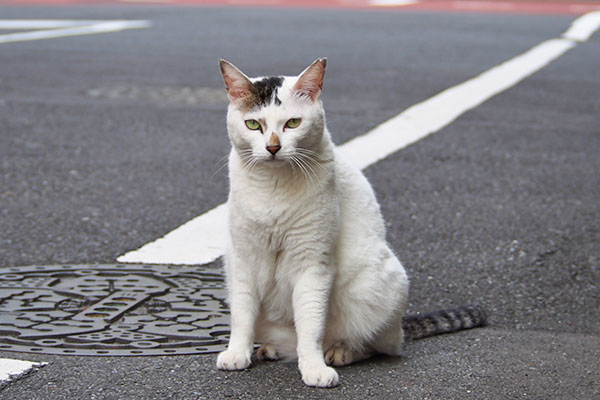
x: 239, y: 88
x: 310, y: 81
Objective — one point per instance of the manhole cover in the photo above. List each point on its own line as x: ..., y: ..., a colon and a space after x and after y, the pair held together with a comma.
x: 108, y: 310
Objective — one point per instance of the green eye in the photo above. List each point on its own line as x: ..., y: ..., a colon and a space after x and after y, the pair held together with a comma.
x: 293, y: 123
x: 252, y: 124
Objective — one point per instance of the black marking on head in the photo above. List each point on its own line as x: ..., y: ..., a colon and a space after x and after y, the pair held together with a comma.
x: 266, y: 90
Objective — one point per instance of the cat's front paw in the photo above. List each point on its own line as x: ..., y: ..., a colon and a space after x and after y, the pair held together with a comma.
x: 230, y: 360
x: 320, y: 377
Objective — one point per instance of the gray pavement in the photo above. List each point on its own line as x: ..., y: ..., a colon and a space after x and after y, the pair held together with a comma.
x: 481, y: 364
x: 103, y: 150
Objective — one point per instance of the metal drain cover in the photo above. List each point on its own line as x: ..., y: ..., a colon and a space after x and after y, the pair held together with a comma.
x: 113, y: 310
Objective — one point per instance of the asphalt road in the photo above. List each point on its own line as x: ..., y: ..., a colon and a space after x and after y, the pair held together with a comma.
x: 109, y: 141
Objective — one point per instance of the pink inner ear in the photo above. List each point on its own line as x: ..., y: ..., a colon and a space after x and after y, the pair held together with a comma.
x: 237, y: 84
x: 310, y: 82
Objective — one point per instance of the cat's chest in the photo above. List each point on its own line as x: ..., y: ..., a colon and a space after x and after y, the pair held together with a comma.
x: 275, y: 223
x: 277, y: 204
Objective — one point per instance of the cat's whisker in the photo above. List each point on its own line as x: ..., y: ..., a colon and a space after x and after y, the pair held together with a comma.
x: 294, y: 160
x: 305, y: 172
x: 250, y: 164
x: 313, y: 168
x: 293, y: 165
x: 309, y: 171
x: 317, y: 166
x: 317, y: 175
x: 248, y: 160
x: 245, y: 154
x: 313, y: 154
x: 315, y: 158
x: 224, y: 162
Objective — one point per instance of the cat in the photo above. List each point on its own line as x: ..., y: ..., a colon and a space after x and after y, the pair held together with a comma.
x: 309, y: 272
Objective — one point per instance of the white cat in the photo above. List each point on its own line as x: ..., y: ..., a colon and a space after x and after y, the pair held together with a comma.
x: 309, y: 272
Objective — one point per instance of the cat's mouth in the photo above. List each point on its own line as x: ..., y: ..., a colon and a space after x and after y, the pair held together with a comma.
x: 274, y: 161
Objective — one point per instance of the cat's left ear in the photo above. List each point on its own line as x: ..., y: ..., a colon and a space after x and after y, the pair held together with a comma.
x: 310, y: 82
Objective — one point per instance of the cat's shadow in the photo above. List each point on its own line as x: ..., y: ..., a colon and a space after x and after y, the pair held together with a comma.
x: 376, y: 360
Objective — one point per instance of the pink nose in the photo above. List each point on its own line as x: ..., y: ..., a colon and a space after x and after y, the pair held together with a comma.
x: 273, y: 149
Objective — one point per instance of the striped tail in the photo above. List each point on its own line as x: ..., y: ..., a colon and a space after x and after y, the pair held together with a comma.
x: 418, y: 326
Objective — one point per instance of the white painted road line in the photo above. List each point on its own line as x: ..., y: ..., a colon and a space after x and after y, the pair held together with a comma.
x: 11, y: 369
x: 583, y: 27
x: 201, y: 240
x: 51, y: 29
x: 44, y: 23
x: 437, y: 112
x: 198, y: 241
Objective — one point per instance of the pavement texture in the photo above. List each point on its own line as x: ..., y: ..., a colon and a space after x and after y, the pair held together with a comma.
x: 499, y: 208
x: 479, y: 364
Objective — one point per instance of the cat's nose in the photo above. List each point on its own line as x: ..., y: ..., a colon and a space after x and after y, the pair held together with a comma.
x: 273, y: 149
x: 273, y: 144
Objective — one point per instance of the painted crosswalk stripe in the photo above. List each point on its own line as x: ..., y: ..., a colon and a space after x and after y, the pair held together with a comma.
x: 52, y: 29
x: 12, y: 369
x: 200, y: 240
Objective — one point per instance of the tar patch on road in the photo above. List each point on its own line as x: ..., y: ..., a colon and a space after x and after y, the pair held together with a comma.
x: 162, y: 95
x: 113, y: 310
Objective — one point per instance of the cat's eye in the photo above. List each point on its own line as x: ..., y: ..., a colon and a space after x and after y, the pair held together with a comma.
x: 293, y: 123
x: 252, y: 124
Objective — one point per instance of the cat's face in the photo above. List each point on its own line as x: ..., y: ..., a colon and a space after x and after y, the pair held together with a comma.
x: 275, y: 121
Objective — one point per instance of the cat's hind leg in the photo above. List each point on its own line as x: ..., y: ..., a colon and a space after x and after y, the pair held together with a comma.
x: 267, y: 352
x: 278, y: 341
x: 390, y: 340
x: 340, y: 354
